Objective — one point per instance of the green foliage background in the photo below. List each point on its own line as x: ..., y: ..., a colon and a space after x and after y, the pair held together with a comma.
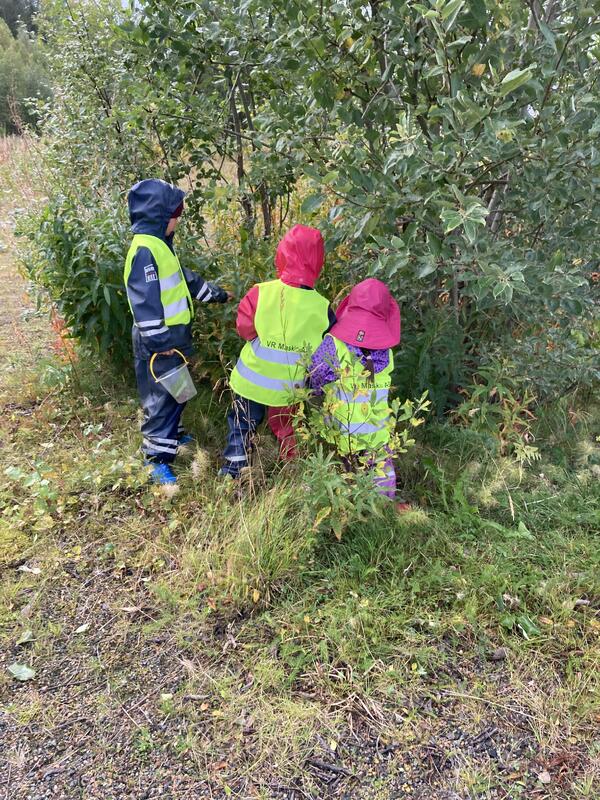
x: 448, y: 148
x: 19, y: 14
x: 23, y: 78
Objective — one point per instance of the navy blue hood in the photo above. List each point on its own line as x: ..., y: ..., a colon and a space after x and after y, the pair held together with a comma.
x: 151, y: 206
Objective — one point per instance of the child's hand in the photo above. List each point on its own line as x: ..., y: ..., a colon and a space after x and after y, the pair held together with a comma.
x: 230, y: 296
x: 167, y: 353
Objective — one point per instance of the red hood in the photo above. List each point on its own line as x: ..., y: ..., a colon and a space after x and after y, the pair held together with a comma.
x: 300, y: 256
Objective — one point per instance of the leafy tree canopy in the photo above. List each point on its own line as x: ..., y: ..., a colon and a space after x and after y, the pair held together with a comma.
x: 448, y: 147
x: 19, y: 13
x: 23, y: 79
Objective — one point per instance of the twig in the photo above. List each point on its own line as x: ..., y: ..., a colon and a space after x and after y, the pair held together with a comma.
x: 279, y: 787
x: 71, y: 683
x: 463, y: 696
x: 71, y: 721
x: 314, y: 762
x: 137, y: 724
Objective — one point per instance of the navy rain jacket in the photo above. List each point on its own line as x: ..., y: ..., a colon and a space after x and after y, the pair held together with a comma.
x: 151, y: 206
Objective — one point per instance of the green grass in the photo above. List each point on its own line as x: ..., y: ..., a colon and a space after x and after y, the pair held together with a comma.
x: 493, y: 555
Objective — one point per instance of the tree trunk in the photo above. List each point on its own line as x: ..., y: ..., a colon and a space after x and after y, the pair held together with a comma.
x: 494, y: 215
x: 245, y: 199
x: 263, y: 189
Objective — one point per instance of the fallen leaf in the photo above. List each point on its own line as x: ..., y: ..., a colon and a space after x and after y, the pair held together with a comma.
x: 544, y: 777
x: 581, y: 603
x: 21, y: 672
x: 26, y: 609
x: 255, y: 596
x: 30, y: 570
x: 82, y: 628
x: 130, y: 609
x: 25, y: 637
x: 510, y: 601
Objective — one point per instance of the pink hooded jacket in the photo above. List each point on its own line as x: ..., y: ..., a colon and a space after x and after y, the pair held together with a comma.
x: 299, y: 260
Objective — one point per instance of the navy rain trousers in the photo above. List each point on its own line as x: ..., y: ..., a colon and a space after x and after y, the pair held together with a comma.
x: 161, y: 427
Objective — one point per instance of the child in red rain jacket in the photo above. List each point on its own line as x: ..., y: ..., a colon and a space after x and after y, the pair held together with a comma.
x: 282, y: 321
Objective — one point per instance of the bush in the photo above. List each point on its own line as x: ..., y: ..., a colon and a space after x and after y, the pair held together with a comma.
x: 433, y: 358
x: 23, y: 79
x: 454, y: 185
x: 77, y: 257
x: 19, y: 14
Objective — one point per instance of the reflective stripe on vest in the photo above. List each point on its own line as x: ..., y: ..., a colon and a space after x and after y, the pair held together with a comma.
x: 171, y: 282
x: 174, y: 292
x: 290, y: 323
x: 173, y: 309
x: 357, y: 411
x: 267, y: 383
x: 273, y: 355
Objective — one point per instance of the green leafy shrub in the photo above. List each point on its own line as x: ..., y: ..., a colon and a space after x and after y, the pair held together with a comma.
x: 19, y: 14
x: 77, y: 258
x: 495, y: 405
x: 454, y: 184
x: 235, y: 265
x: 335, y: 498
x: 432, y: 357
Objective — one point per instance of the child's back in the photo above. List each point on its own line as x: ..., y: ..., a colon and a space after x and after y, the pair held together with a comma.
x: 160, y: 293
x: 282, y: 321
x: 353, y: 369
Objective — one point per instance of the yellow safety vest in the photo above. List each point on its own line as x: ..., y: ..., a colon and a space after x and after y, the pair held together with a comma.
x: 178, y: 307
x: 290, y: 323
x: 356, y: 408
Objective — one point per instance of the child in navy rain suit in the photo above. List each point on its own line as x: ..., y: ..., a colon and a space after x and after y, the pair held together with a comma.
x: 160, y: 294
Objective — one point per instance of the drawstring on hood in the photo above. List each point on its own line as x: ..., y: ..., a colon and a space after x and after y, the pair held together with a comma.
x: 300, y: 256
x: 152, y: 203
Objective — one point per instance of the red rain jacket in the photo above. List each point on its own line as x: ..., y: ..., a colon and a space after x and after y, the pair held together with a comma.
x: 299, y: 260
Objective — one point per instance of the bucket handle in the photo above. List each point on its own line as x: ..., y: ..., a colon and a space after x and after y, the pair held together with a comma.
x: 185, y: 361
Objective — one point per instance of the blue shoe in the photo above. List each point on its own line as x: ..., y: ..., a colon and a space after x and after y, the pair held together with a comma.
x: 186, y: 439
x: 162, y: 473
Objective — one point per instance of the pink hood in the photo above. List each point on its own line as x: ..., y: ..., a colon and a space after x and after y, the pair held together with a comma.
x: 368, y: 317
x: 300, y: 256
